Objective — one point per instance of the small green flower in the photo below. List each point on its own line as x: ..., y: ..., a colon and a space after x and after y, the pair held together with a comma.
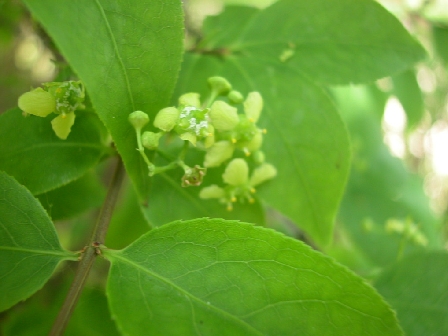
x: 167, y: 118
x: 218, y: 153
x: 37, y: 102
x: 69, y: 95
x: 190, y: 99
x: 62, y: 124
x: 224, y: 117
x: 253, y: 106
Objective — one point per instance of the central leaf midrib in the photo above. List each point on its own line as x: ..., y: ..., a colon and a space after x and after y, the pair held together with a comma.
x: 59, y: 253
x: 117, y: 256
x: 117, y: 53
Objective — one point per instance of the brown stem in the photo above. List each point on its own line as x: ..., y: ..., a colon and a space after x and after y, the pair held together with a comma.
x: 88, y: 257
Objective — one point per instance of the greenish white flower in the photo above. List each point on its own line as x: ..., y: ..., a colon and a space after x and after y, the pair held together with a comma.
x: 37, y: 102
x: 224, y: 117
x: 253, y: 106
x: 218, y: 153
x: 190, y: 99
x: 236, y: 173
x: 167, y: 118
x: 62, y: 125
x: 262, y: 173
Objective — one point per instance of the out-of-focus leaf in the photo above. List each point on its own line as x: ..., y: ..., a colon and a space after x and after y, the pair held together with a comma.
x: 417, y: 288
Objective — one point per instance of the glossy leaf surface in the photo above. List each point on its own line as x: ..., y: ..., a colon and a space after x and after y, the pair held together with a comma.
x: 38, y: 159
x: 231, y: 278
x: 29, y: 246
x: 417, y: 288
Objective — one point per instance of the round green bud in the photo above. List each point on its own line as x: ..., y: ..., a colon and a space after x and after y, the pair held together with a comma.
x: 220, y: 85
x: 37, y: 102
x: 212, y: 191
x: 218, y: 153
x: 138, y: 119
x: 224, y: 117
x: 262, y: 173
x: 236, y: 173
x: 167, y: 118
x: 235, y: 97
x: 62, y: 124
x: 258, y: 156
x: 253, y: 106
x: 150, y: 140
x: 190, y: 99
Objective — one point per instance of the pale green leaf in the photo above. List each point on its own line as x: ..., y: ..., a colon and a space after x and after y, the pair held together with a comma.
x: 29, y: 247
x: 38, y: 159
x: 231, y: 278
x: 417, y: 288
x: 126, y: 54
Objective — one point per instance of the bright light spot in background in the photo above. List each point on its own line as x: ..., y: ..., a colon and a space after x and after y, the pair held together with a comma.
x: 394, y: 123
x: 436, y: 146
x: 32, y: 56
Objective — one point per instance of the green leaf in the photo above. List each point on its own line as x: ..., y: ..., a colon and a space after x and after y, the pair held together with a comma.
x: 29, y: 246
x: 232, y: 278
x: 440, y: 40
x: 347, y: 42
x: 74, y: 198
x: 411, y: 98
x: 380, y: 188
x: 130, y: 60
x: 38, y: 159
x: 417, y: 288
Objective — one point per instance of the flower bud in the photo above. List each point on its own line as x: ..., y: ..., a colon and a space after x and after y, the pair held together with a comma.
x: 235, y: 97
x: 37, y: 102
x: 224, y: 117
x: 219, y: 85
x: 212, y: 191
x: 190, y: 99
x: 218, y: 153
x: 62, y: 124
x: 253, y: 106
x: 166, y: 118
x: 138, y: 119
x: 150, y: 140
x: 258, y: 157
x: 261, y: 174
x: 236, y: 173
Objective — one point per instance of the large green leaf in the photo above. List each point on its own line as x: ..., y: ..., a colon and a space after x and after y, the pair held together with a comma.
x: 38, y: 159
x: 344, y: 41
x: 231, y: 278
x: 29, y: 246
x: 417, y: 288
x: 126, y: 54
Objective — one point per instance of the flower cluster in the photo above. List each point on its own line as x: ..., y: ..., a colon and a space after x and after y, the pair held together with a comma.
x: 216, y: 127
x: 62, y: 98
